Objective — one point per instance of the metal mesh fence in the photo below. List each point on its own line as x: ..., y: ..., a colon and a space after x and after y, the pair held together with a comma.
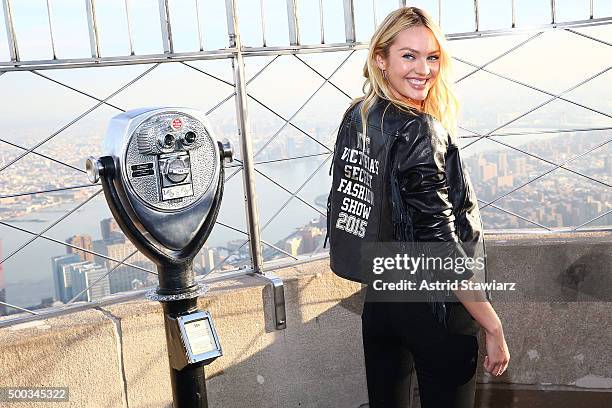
x: 534, y: 130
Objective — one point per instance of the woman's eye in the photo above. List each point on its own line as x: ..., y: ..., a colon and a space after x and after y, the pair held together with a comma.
x: 434, y: 58
x: 408, y: 56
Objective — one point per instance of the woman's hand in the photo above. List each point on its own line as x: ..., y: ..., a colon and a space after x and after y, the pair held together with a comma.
x: 498, y: 356
x: 475, y: 302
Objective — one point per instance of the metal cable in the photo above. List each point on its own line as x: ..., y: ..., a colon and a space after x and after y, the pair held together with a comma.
x: 74, y: 298
x: 491, y: 138
x: 291, y: 124
x: 57, y: 241
x: 293, y: 195
x: 208, y: 74
x: 562, y: 164
x: 43, y: 155
x: 290, y: 192
x: 325, y: 80
x: 328, y: 78
x: 227, y: 98
x: 536, y: 89
x: 539, y: 106
x: 77, y: 90
x: 590, y: 221
x: 23, y: 309
x: 588, y: 36
x: 53, y: 224
x: 246, y: 233
x: 280, y: 210
x: 518, y: 216
x: 237, y: 251
x: 288, y: 158
x: 279, y: 160
x: 553, y: 169
x: 288, y: 121
x: 228, y: 178
x: 519, y: 45
x: 535, y: 132
x: 36, y: 146
x: 51, y: 190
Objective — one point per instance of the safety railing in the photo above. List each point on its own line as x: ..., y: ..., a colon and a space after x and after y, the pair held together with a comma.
x: 294, y: 48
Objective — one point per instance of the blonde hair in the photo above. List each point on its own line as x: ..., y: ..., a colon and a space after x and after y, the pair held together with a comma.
x: 441, y: 101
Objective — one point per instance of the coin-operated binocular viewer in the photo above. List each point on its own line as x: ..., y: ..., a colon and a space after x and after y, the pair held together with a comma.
x: 162, y: 176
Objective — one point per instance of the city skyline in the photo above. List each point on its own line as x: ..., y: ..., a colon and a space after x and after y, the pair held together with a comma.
x: 494, y: 173
x: 492, y: 99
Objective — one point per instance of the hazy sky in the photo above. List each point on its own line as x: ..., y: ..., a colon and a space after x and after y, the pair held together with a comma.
x: 32, y: 108
x: 554, y: 61
x: 72, y: 40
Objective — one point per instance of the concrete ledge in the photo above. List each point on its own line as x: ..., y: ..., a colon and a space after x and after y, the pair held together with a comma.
x: 559, y: 334
x: 115, y: 356
x: 75, y: 351
x: 266, y: 367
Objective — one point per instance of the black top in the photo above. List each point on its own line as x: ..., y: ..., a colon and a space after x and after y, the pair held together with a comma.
x: 406, y: 186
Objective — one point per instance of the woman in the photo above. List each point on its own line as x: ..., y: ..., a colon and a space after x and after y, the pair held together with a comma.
x: 399, y: 178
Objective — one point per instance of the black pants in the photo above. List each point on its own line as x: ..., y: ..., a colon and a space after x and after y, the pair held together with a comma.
x: 398, y: 337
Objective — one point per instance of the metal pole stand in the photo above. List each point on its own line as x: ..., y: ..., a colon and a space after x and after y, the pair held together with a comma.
x: 188, y: 382
x: 168, y: 217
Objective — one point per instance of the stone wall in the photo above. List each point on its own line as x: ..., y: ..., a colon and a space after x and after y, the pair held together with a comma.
x: 115, y: 356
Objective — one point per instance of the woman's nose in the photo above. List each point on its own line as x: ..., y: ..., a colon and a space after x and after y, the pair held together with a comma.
x: 422, y: 68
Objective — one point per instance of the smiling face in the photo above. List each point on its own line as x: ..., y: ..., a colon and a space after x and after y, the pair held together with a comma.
x: 412, y: 64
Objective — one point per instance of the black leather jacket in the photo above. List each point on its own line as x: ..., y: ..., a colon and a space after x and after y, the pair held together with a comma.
x: 407, y: 183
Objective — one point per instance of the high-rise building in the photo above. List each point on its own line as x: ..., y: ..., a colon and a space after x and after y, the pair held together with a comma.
x: 505, y: 181
x: 488, y: 171
x: 68, y: 268
x: 502, y: 164
x: 81, y: 241
x: 291, y: 146
x: 480, y: 162
x: 89, y: 278
x: 292, y: 246
x: 111, y: 231
x: 310, y: 239
x: 520, y: 166
x: 2, y: 285
x: 62, y: 279
x: 592, y: 208
x: 209, y: 259
x: 124, y: 276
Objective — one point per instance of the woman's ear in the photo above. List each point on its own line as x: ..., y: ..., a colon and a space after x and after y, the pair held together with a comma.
x: 380, y: 61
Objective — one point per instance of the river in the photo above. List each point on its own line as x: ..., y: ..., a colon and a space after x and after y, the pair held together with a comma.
x: 28, y: 273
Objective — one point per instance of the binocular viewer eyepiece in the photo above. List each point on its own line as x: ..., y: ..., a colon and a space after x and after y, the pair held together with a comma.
x: 164, y: 166
x: 162, y: 175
